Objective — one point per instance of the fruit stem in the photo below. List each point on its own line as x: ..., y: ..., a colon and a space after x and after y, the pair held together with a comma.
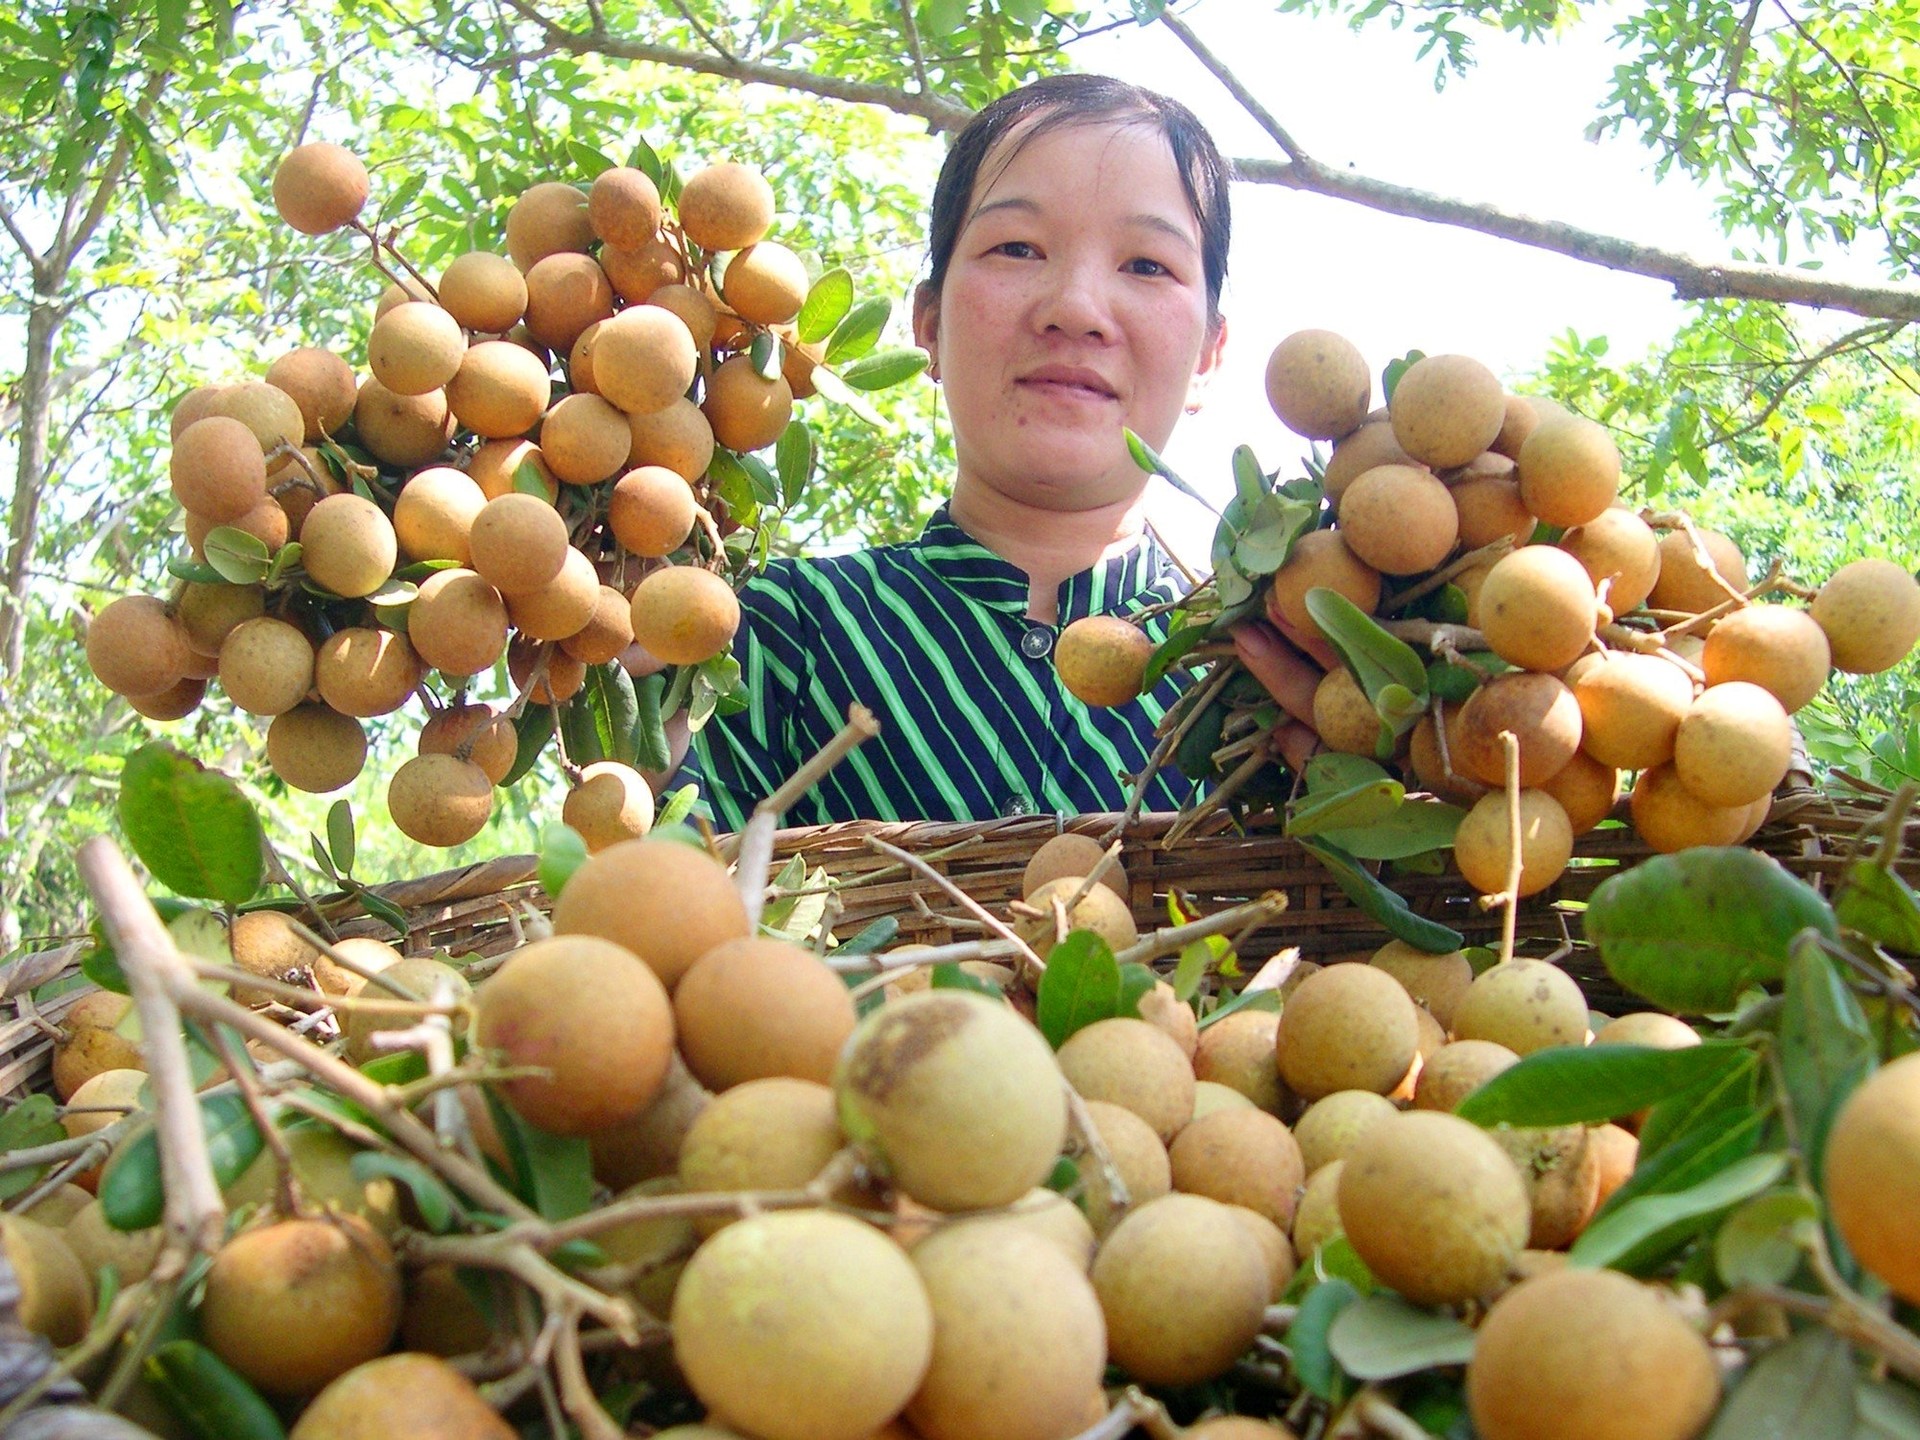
x: 387, y: 245
x: 1773, y: 580
x: 1492, y: 550
x: 994, y: 923
x: 287, y: 1196
x: 1510, y: 897
x: 1169, y: 940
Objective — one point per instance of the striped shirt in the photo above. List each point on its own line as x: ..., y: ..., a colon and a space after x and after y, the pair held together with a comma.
x: 933, y: 637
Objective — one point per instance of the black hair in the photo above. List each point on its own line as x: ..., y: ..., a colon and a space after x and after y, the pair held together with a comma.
x: 1057, y: 101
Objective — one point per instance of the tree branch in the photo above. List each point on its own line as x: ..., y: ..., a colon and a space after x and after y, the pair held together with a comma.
x: 72, y: 241
x: 1231, y: 83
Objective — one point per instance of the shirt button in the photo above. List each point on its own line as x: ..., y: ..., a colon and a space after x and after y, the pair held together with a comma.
x: 1037, y: 643
x: 1018, y: 805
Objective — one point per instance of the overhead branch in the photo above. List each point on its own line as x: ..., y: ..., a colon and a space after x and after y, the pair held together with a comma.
x: 73, y: 240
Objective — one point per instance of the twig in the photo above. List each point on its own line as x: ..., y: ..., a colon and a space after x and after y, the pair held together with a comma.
x: 756, y: 842
x: 817, y: 1193
x: 1434, y: 634
x: 1851, y: 1315
x: 1492, y: 550
x: 1510, y: 897
x: 1623, y: 637
x: 966, y: 902
x: 1770, y: 582
x: 1170, y: 940
x: 240, y: 1066
x: 1081, y: 1118
x: 299, y: 997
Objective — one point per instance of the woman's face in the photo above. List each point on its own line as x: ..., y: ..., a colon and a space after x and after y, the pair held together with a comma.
x: 1075, y: 305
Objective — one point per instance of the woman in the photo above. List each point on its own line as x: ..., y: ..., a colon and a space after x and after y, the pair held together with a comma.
x: 1077, y: 252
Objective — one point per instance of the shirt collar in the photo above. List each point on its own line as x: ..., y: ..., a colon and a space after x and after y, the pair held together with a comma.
x: 1140, y: 575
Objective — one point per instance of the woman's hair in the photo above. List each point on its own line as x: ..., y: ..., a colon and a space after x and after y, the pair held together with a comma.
x: 1055, y: 102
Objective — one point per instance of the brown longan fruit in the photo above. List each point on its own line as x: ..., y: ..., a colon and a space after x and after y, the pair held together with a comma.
x: 135, y: 647
x: 1100, y: 910
x: 1569, y: 470
x: 306, y: 487
x: 580, y: 360
x: 608, y: 631
x: 1870, y: 611
x: 1438, y: 774
x: 562, y: 679
x: 458, y: 623
x: 751, y: 1009
x: 1733, y: 745
x: 1457, y: 1069
x: 644, y: 359
x: 485, y: 292
x: 623, y: 206
x: 439, y: 800
x: 1139, y: 1159
x: 1482, y: 850
x: 269, y: 412
x: 1684, y: 585
x: 1372, y: 444
x: 747, y: 410
x: 1619, y: 550
x: 1241, y: 1157
x: 1319, y: 559
x: 1102, y: 659
x: 1133, y: 1064
x: 196, y: 404
x: 1537, y: 608
x: 668, y: 903
x: 1586, y: 789
x: 1631, y: 706
x: 321, y: 384
x: 1543, y: 715
x: 266, y: 522
x: 316, y: 749
x: 266, y: 666
x: 1433, y: 981
x: 402, y: 430
x: 1669, y: 816
x: 1489, y: 507
x: 566, y: 292
x: 1343, y: 717
x: 1446, y: 409
x: 496, y: 464
x: 366, y: 672
x: 727, y: 206
x: 766, y: 283
x: 1318, y: 384
x: 695, y: 310
x: 494, y: 745
x: 519, y: 542
x: 1332, y: 1124
x: 651, y: 511
x: 176, y: 702
x: 319, y: 187
x: 217, y: 469
x: 348, y: 545
x: 415, y: 347
x: 399, y: 293
x: 636, y: 274
x: 1399, y: 519
x: 1347, y: 1027
x: 1523, y: 415
x: 609, y: 803
x: 434, y: 513
x: 678, y: 437
x: 562, y: 606
x: 684, y: 614
x: 1777, y: 647
x: 1525, y: 1005
x: 1071, y: 854
x: 585, y: 439
x: 500, y: 390
x: 546, y: 220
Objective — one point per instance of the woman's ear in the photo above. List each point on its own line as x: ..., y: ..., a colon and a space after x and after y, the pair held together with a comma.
x: 926, y: 325
x: 1211, y: 352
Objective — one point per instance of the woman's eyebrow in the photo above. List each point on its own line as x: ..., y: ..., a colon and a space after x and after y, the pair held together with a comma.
x: 1143, y: 220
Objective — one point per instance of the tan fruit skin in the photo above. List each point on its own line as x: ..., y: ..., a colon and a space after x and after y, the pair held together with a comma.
x: 1872, y: 1170
x: 1455, y: 1071
x: 1349, y: 1027
x: 1525, y: 1005
x: 1734, y: 745
x: 1561, y: 1169
x: 1238, y: 1052
x: 1537, y: 607
x: 56, y: 1298
x: 1482, y: 844
x: 666, y: 902
x: 773, y: 1134
x: 1775, y: 646
x: 1435, y: 981
x: 1316, y: 1219
x: 1130, y: 1063
x: 648, y: 1146
x: 1334, y: 1123
x: 1139, y: 1159
x: 415, y: 1396
x: 1241, y: 1157
x: 1870, y: 611
x: 1183, y: 1287
x: 754, y: 1008
x: 1578, y: 1354
x: 1101, y: 659
x: 1318, y: 384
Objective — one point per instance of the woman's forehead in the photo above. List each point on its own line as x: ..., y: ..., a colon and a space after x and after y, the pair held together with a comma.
x: 1024, y: 168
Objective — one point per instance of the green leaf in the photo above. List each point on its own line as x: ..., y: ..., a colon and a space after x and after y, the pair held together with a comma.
x: 1875, y: 901
x: 1331, y: 770
x: 130, y: 1193
x: 876, y: 935
x: 678, y: 805
x: 34, y: 1121
x: 1135, y: 981
x: 1577, y: 1085
x: 940, y: 18
x: 859, y: 330
x: 1382, y: 1337
x: 1798, y: 1389
x: 1714, y: 1108
x: 1195, y: 960
x: 793, y: 460
x: 385, y: 911
x: 884, y: 369
x: 191, y: 826
x: 1756, y: 1246
x: 562, y: 851
x: 1365, y: 890
x: 1169, y: 652
x: 600, y: 718
x: 1615, y: 1235
x: 1249, y: 481
x: 553, y: 1173
x: 1416, y: 827
x: 532, y: 729
x: 434, y: 1200
x: 587, y: 161
x: 1272, y: 527
x: 1064, y: 1176
x: 1888, y: 1410
x: 394, y: 594
x: 1693, y: 930
x: 1365, y: 804
x: 1245, y: 1000
x: 241, y: 559
x: 836, y: 390
x: 764, y: 355
x: 1081, y: 985
x: 1309, y: 1337
x: 1376, y: 658
x: 1456, y: 683
x: 650, y: 749
x: 827, y: 303
x: 527, y: 480
x: 1826, y: 1046
x: 950, y: 976
x: 340, y: 836
x: 194, y: 570
x: 209, y: 1395
x: 1148, y: 460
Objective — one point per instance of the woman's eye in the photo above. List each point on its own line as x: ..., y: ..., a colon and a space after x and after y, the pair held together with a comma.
x: 1015, y: 249
x: 1144, y: 266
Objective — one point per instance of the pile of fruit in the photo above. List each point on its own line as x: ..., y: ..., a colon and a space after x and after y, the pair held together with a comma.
x: 459, y: 517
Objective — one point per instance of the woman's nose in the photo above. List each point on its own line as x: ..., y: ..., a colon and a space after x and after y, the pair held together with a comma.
x: 1076, y: 301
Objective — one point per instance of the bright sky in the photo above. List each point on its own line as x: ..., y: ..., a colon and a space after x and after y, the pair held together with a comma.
x: 1510, y: 132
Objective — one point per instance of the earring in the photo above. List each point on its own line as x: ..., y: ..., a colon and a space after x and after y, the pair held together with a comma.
x: 933, y: 371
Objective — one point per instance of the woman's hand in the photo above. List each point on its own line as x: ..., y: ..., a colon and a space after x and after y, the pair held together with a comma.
x: 1291, y: 676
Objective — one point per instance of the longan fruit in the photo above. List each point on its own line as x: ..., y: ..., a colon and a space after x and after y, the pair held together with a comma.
x: 1347, y: 1027
x: 1541, y: 712
x: 651, y: 511
x: 266, y: 666
x: 1102, y: 659
x: 458, y: 623
x: 1101, y: 910
x: 1619, y: 550
x: 765, y: 284
x: 1070, y: 854
x: 500, y: 390
x: 196, y: 404
x: 1870, y: 611
x: 1522, y: 416
x: 496, y: 464
x: 485, y: 292
x: 1684, y: 585
x: 1372, y: 444
x: 1537, y: 608
x: 580, y: 360
x: 519, y: 542
x: 1318, y: 384
x: 415, y: 347
x: 644, y: 359
x: 269, y: 412
x: 747, y: 411
x: 637, y: 273
x: 218, y: 471
x: 434, y: 514
x: 348, y: 545
x: 1434, y: 981
x: 1446, y: 409
x: 695, y: 310
x: 1482, y: 849
x: 727, y: 206
x: 1489, y: 508
x: 176, y: 702
x: 316, y: 749
x: 1777, y: 647
x: 1441, y: 775
x: 1457, y: 1069
x: 1586, y: 789
x: 1525, y: 1005
x: 1631, y: 705
x: 1319, y: 559
x: 1569, y: 470
x: 1240, y: 1157
x: 439, y: 800
x: 135, y: 647
x: 562, y: 606
x: 305, y: 488
x: 609, y: 803
x: 366, y: 672
x: 566, y: 292
x: 684, y: 614
x: 1399, y: 519
x: 1733, y: 745
x: 1343, y: 717
x: 399, y: 293
x: 585, y: 439
x: 564, y: 675
x: 546, y: 220
x: 402, y: 430
x: 266, y: 522
x: 319, y: 187
x: 321, y: 384
x: 1669, y: 816
x: 607, y: 633
x: 679, y: 437
x: 623, y: 206
x: 494, y: 745
x: 1127, y: 1062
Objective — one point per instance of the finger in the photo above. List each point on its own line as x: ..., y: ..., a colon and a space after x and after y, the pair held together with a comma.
x: 1312, y: 645
x: 1288, y: 675
x: 1296, y: 744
